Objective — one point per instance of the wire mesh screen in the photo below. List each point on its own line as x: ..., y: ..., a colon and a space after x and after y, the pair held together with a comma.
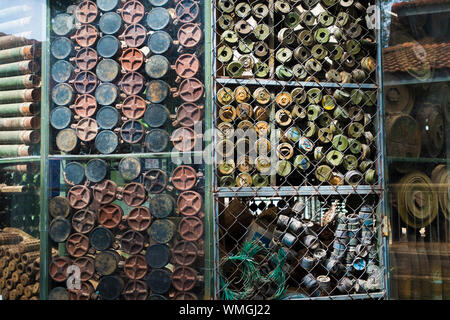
x: 297, y: 166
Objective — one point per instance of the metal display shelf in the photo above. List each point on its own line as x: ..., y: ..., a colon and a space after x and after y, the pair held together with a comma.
x: 412, y: 81
x: 122, y: 155
x: 273, y: 191
x: 436, y: 8
x: 375, y: 295
x: 20, y: 159
x: 268, y: 82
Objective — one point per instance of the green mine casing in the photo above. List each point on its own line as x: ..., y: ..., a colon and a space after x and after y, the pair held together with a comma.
x: 20, y: 123
x: 18, y: 109
x: 24, y: 95
x: 18, y: 54
x: 17, y: 150
x: 10, y: 41
x: 27, y: 81
x: 18, y: 68
x: 25, y: 136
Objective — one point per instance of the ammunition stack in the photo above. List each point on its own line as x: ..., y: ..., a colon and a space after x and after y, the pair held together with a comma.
x: 137, y: 239
x: 19, y: 264
x: 19, y: 87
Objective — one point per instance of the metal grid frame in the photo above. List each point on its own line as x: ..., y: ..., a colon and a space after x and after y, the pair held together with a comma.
x: 377, y: 189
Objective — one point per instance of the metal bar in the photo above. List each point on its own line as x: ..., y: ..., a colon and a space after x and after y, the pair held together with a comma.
x: 209, y: 182
x: 43, y: 217
x: 268, y: 82
x: 375, y: 295
x: 20, y: 159
x: 122, y: 155
x: 273, y: 191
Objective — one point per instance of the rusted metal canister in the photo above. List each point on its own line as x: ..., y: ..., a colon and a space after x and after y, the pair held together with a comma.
x: 62, y: 48
x: 15, y: 96
x: 19, y: 82
x: 10, y: 41
x: 18, y: 109
x: 108, y: 46
x: 19, y: 54
x: 22, y: 123
x: 18, y: 68
x: 110, y: 287
x: 110, y: 23
x: 158, y: 18
x: 25, y: 136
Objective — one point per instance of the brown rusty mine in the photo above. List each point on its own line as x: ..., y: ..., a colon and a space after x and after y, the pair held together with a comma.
x: 110, y: 215
x: 132, y: 131
x: 187, y: 11
x: 189, y: 35
x: 132, y: 12
x: 184, y: 278
x: 184, y: 178
x: 133, y: 107
x: 133, y: 194
x: 188, y: 114
x: 135, y: 267
x: 139, y: 218
x: 87, y: 267
x: 86, y: 59
x: 135, y: 290
x: 189, y: 203
x: 58, y: 268
x: 86, y: 36
x: 85, y: 105
x: 105, y: 191
x: 184, y: 253
x: 184, y: 139
x: 86, y: 129
x: 77, y: 245
x: 187, y: 65
x: 190, y: 90
x: 83, y: 221
x: 155, y: 180
x: 134, y: 35
x: 84, y: 293
x: 190, y: 228
x: 85, y: 82
x: 86, y: 12
x: 132, y: 59
x: 79, y: 197
x: 132, y: 242
x: 132, y: 83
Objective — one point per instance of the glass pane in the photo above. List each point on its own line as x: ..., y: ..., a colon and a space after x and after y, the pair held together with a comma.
x: 416, y: 96
x: 20, y: 69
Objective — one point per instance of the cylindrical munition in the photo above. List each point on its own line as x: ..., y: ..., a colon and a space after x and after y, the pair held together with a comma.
x: 227, y: 181
x: 225, y: 148
x: 309, y: 281
x: 292, y: 19
x: 18, y: 54
x: 325, y: 135
x: 368, y: 64
x: 284, y: 168
x: 350, y: 162
x: 20, y: 150
x: 333, y: 75
x: 260, y: 10
x: 305, y: 38
x: 243, y: 10
x: 283, y: 55
x: 301, y: 53
x: 18, y: 68
x: 286, y: 36
x: 283, y: 72
x: 22, y: 168
x: 308, y: 19
x: 26, y: 136
x: 242, y: 94
x: 262, y: 128
x: 313, y: 65
x: 261, y: 32
x: 262, y: 95
x: 322, y: 35
x: 307, y: 262
x: 285, y: 151
x: 242, y: 28
x: 226, y: 167
x: 20, y: 123
x: 24, y: 95
x: 19, y: 82
x: 10, y: 41
x: 244, y: 180
x: 325, y: 120
x: 301, y: 162
x: 244, y: 164
x: 353, y: 177
x: 18, y: 109
x: 225, y: 96
x: 261, y: 70
x: 225, y: 22
x: 259, y: 180
x: 227, y: 113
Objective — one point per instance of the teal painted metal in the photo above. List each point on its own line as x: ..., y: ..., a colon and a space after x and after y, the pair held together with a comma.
x: 45, y: 103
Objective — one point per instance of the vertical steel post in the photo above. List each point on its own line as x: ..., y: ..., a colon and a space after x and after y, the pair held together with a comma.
x: 43, y: 218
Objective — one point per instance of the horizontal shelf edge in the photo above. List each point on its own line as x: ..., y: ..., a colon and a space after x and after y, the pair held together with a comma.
x: 361, y: 296
x: 20, y: 159
x: 123, y: 155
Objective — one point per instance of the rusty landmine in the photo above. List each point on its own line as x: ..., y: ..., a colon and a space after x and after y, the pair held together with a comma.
x: 86, y: 12
x: 86, y: 129
x: 87, y: 267
x: 184, y: 178
x: 110, y: 215
x: 187, y: 11
x: 135, y: 290
x: 189, y: 203
x: 132, y: 12
x: 132, y: 242
x: 85, y: 105
x: 184, y: 278
x: 132, y: 83
x: 134, y: 107
x: 86, y: 59
x: 86, y: 36
x: 133, y: 194
x: 77, y: 245
x: 189, y: 35
x: 105, y: 191
x: 79, y: 197
x: 58, y: 268
x: 83, y: 221
x: 134, y: 35
x: 184, y: 253
x: 190, y: 228
x: 139, y: 218
x: 187, y: 65
x: 132, y: 131
x: 191, y: 90
x: 84, y: 293
x: 155, y: 180
x: 85, y: 82
x: 135, y: 267
x: 185, y: 296
x: 132, y: 59
x: 184, y: 139
x: 188, y: 114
